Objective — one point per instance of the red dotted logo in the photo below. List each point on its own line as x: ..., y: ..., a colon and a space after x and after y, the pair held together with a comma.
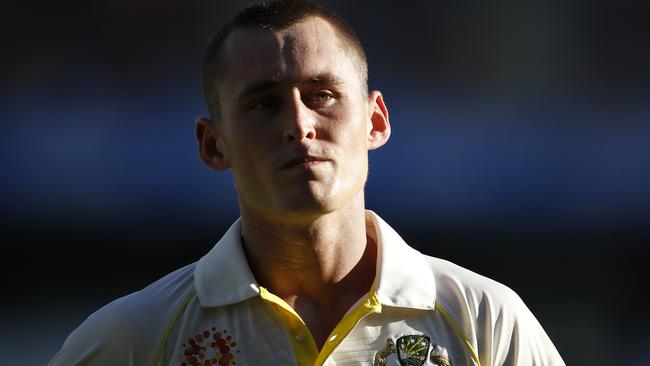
x: 210, y: 348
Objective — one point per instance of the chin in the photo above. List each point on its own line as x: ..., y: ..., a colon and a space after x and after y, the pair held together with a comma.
x: 309, y: 205
x: 311, y: 200
x: 320, y: 202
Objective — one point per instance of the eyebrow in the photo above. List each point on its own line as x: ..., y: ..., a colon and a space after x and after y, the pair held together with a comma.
x: 325, y: 79
x: 257, y: 88
x: 272, y: 82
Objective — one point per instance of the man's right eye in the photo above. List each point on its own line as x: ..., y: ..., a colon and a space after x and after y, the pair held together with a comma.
x: 262, y: 104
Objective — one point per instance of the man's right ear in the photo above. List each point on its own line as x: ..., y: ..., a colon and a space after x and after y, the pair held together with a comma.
x: 210, y: 145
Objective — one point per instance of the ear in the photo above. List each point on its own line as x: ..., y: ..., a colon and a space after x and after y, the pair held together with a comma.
x: 210, y: 144
x: 378, y: 123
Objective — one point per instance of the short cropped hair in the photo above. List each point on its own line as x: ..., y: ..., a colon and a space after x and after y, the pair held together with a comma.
x: 273, y: 15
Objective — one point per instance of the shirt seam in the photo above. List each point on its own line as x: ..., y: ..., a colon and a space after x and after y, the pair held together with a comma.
x: 170, y: 326
x: 458, y: 331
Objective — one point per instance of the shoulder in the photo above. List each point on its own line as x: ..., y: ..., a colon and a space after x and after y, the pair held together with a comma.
x: 128, y: 331
x: 475, y: 300
x: 457, y: 284
x: 491, y: 316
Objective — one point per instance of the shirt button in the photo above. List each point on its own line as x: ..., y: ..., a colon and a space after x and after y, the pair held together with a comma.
x: 300, y: 336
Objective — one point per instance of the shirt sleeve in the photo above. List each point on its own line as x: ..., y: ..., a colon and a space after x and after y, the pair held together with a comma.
x: 493, y: 318
x: 130, y: 330
x: 123, y: 332
x: 513, y: 336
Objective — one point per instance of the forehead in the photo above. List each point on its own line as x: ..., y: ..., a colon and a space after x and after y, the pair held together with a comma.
x: 302, y: 50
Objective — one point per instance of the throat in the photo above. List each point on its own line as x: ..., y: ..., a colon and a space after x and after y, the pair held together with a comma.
x: 323, y: 310
x: 321, y: 320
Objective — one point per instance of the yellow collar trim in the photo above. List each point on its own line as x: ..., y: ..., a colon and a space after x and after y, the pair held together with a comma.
x: 304, y: 346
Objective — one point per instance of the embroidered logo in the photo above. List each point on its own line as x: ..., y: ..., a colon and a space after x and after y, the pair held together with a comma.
x: 412, y: 350
x: 210, y: 348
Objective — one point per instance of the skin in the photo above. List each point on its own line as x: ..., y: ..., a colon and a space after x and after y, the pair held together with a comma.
x: 295, y: 127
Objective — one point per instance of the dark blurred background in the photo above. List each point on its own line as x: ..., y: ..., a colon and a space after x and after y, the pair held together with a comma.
x: 520, y: 150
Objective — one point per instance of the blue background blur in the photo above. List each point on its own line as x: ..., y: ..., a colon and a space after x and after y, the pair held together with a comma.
x: 520, y: 149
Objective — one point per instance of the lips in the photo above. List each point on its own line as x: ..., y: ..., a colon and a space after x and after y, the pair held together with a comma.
x: 303, y: 160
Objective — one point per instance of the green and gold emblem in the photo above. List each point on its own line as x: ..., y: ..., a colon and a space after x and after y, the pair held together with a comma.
x: 412, y: 350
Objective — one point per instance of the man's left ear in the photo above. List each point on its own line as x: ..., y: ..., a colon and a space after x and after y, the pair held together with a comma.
x: 379, y: 125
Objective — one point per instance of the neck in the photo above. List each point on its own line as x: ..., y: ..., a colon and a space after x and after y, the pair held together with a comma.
x: 289, y: 255
x: 322, y: 265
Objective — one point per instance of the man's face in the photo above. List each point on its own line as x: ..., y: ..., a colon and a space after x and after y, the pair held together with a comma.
x: 294, y: 122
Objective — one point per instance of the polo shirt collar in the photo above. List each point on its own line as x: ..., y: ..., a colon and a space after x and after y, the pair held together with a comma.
x: 222, y: 276
x: 404, y: 279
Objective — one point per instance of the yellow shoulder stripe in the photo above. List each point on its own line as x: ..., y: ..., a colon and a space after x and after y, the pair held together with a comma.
x: 458, y: 331
x: 170, y: 326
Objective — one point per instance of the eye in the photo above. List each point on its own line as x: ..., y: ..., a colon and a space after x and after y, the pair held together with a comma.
x: 263, y: 104
x: 321, y: 98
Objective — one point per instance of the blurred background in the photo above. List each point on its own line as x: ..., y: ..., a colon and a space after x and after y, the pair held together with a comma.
x: 520, y: 150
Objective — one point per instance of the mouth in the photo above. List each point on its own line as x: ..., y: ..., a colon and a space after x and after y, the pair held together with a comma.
x: 304, y: 161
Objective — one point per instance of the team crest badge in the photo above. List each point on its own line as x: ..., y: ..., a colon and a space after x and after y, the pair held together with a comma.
x: 412, y: 350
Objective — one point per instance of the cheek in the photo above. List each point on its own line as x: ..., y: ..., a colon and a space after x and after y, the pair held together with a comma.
x: 353, y: 138
x: 351, y: 123
x: 241, y: 157
x: 355, y: 134
x: 244, y: 140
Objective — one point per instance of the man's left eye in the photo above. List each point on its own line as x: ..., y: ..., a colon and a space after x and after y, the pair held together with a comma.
x: 323, y: 96
x: 320, y: 97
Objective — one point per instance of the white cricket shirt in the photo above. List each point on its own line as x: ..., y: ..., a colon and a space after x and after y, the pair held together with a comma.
x: 421, y: 310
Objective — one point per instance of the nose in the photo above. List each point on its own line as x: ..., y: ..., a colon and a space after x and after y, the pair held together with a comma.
x: 300, y: 121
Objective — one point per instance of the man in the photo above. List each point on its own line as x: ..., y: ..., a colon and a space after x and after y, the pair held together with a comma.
x: 306, y: 276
